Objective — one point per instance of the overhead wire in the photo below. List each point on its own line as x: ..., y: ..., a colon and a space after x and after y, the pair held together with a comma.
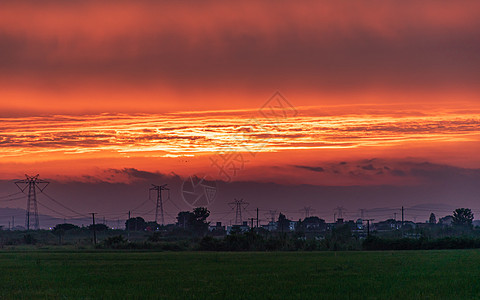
x: 10, y: 195
x: 66, y: 207
x: 12, y: 199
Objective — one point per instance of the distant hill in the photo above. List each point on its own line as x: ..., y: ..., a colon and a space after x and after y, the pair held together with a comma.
x: 15, y: 217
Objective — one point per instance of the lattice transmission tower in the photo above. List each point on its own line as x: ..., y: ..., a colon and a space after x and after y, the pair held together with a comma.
x: 238, y: 205
x: 32, y: 183
x: 159, y: 206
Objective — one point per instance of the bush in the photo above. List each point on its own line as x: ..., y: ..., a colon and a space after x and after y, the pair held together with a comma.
x: 376, y: 243
x: 209, y: 243
x: 29, y: 239
x: 115, y: 242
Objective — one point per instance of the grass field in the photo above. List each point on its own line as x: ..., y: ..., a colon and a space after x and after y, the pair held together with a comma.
x: 449, y: 274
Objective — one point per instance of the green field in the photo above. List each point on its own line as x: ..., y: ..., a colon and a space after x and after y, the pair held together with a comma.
x: 448, y: 274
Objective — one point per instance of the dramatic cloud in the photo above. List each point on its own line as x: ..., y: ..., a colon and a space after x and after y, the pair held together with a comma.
x: 313, y: 169
x: 82, y: 51
x: 187, y: 134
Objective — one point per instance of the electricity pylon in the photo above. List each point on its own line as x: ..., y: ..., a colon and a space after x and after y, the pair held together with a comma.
x: 339, y: 212
x: 159, y: 189
x: 33, y: 183
x: 307, y: 210
x: 238, y: 205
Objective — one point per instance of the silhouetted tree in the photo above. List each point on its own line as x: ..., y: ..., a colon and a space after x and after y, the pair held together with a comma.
x: 65, y: 227
x: 341, y: 233
x: 137, y: 224
x: 98, y: 227
x: 117, y: 241
x: 185, y: 219
x: 433, y: 219
x: 60, y: 229
x: 463, y: 217
x: 195, y: 221
x: 200, y: 224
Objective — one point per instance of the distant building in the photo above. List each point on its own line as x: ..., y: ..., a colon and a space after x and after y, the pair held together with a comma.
x: 292, y: 225
x: 271, y: 226
x: 314, y: 224
x: 388, y: 225
x: 217, y: 228
x: 359, y: 224
x: 409, y: 225
x: 238, y: 228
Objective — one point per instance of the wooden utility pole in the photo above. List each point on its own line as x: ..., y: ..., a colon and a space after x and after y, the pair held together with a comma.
x: 94, y: 229
x: 251, y: 222
x: 128, y: 226
x: 402, y: 221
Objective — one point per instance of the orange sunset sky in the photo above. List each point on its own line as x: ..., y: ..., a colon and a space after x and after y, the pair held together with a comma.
x: 361, y: 104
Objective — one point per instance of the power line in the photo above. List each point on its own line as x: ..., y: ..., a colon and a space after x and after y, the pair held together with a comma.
x: 171, y: 201
x: 142, y: 204
x: 51, y: 209
x: 7, y: 196
x: 62, y: 205
x: 13, y: 199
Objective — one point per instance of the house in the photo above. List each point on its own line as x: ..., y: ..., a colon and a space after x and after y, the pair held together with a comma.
x: 271, y: 226
x: 314, y: 224
x: 238, y: 228
x: 359, y: 224
x: 217, y: 229
x: 292, y: 225
x: 388, y: 225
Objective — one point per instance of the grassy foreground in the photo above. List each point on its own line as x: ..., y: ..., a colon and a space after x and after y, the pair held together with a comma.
x: 448, y: 274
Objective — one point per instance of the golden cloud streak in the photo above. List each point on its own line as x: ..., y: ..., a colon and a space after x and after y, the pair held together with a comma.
x: 173, y: 135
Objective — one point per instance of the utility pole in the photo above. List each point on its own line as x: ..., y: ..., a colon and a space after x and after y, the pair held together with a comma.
x: 94, y: 229
x: 135, y: 224
x: 159, y: 189
x: 402, y: 220
x: 238, y: 205
x: 251, y: 222
x: 257, y: 217
x: 128, y: 227
x: 33, y: 183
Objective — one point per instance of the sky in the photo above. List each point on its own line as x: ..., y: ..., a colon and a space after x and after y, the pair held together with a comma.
x: 367, y: 105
